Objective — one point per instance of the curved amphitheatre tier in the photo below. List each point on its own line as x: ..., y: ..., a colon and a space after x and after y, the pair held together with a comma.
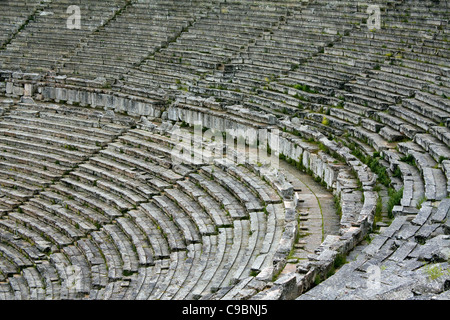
x: 94, y: 206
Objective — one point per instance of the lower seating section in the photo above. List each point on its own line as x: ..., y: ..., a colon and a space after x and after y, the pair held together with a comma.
x: 54, y: 32
x: 120, y: 212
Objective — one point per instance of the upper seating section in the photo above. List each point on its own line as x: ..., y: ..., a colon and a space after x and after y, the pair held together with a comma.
x: 211, y: 42
x: 53, y: 34
x: 140, y: 30
x: 14, y: 15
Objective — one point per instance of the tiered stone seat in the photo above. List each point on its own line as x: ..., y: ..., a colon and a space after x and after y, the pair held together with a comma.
x: 221, y: 195
x: 273, y: 57
x: 435, y: 181
x: 207, y: 203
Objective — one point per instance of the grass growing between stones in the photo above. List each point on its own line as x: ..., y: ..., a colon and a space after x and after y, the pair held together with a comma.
x: 339, y: 261
x: 378, y: 210
x: 394, y: 199
x: 420, y: 202
x: 337, y: 205
x: 436, y: 271
x: 372, y: 162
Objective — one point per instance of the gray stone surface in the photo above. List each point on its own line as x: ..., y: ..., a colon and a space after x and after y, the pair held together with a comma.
x: 89, y: 180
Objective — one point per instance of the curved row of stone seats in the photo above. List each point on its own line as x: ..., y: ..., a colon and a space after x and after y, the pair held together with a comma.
x: 191, y: 233
x: 379, y: 99
x: 261, y: 188
x: 15, y: 15
x: 243, y: 230
x: 234, y: 259
x: 110, y: 254
x: 194, y: 191
x: 12, y: 261
x: 232, y: 206
x: 435, y: 180
x: 166, y: 149
x: 400, y: 211
x: 434, y: 185
x: 104, y: 54
x: 41, y: 142
x: 50, y: 36
x: 255, y: 215
x: 48, y: 215
x: 272, y: 196
x: 250, y: 286
x: 366, y: 95
x: 332, y: 17
x: 246, y: 197
x: 208, y: 203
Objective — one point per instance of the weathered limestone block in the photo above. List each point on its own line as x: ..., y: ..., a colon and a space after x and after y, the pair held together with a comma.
x: 368, y: 209
x: 390, y: 134
x: 442, y: 212
x: 72, y: 96
x: 351, y: 207
x: 83, y: 97
x: 60, y: 94
x: 120, y: 104
x: 442, y: 133
x: 15, y: 90
x: 6, y: 102
x: 446, y: 167
x: 288, y: 284
x: 345, y: 182
x: 27, y: 100
x: 324, y: 261
x: 435, y: 188
x: 423, y: 215
x: 436, y: 249
x: 28, y: 89
x: 274, y: 293
x: 266, y: 274
x: 287, y: 238
x: 365, y: 175
x: 371, y: 125
x: 330, y: 174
